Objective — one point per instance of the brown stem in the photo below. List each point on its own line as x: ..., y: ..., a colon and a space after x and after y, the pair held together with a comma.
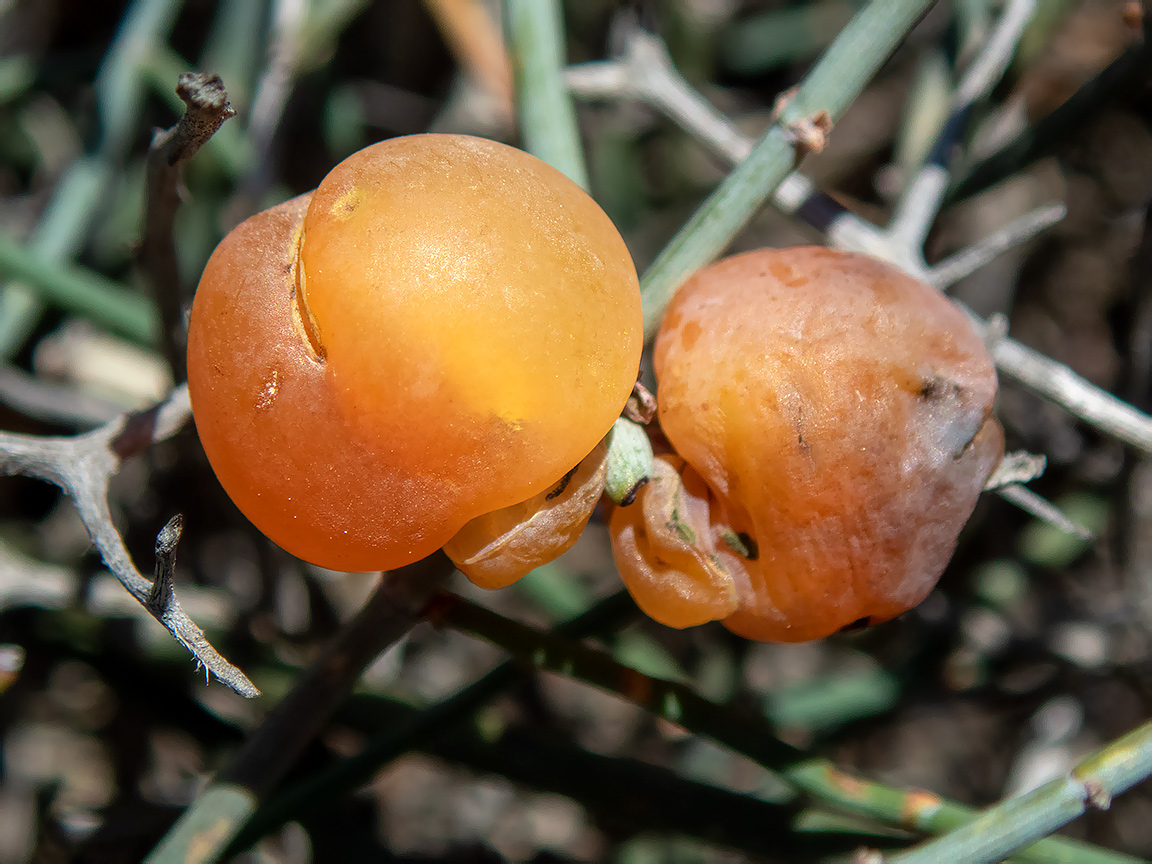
x: 392, y: 610
x: 208, y: 108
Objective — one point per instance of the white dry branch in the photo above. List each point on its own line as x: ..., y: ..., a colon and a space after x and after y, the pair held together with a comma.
x: 918, y: 207
x: 1016, y: 467
x: 82, y: 466
x: 644, y: 72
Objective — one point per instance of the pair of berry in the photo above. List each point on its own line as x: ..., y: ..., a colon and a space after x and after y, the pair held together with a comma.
x: 417, y: 354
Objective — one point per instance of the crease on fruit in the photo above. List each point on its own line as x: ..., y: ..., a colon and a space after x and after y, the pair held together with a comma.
x: 302, y: 317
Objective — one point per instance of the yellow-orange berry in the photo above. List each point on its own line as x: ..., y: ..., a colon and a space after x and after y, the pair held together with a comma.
x: 444, y: 328
x: 839, y: 412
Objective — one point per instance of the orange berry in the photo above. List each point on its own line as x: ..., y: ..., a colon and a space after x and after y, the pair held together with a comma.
x: 444, y: 328
x: 839, y: 412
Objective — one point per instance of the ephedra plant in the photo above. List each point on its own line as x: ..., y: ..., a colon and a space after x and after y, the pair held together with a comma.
x: 433, y: 349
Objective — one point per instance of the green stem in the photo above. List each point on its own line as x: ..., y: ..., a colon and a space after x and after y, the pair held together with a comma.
x: 84, y: 188
x: 837, y: 79
x: 119, y: 88
x: 764, y: 42
x: 58, y: 237
x: 640, y: 797
x: 237, y: 29
x: 422, y: 726
x: 1020, y: 820
x: 81, y: 292
x: 547, y: 115
x: 752, y: 736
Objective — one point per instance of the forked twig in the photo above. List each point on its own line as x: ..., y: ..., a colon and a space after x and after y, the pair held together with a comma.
x: 218, y: 814
x: 645, y: 72
x: 82, y: 466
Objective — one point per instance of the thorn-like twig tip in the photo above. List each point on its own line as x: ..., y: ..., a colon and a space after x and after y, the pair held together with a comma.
x: 1014, y: 468
x: 170, y: 535
x: 162, y: 584
x: 965, y: 262
x: 1044, y: 510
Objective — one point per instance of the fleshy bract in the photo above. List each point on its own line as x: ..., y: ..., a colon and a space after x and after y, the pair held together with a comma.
x: 839, y: 412
x: 444, y: 328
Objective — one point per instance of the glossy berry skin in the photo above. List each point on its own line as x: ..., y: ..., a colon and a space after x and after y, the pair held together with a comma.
x: 839, y: 412
x: 445, y: 327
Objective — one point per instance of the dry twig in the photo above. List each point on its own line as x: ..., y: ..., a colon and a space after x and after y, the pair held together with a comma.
x: 82, y: 467
x: 208, y: 108
x: 645, y: 72
x: 224, y: 808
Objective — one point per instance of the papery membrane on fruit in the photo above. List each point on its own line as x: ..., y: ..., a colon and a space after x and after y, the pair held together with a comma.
x: 496, y: 549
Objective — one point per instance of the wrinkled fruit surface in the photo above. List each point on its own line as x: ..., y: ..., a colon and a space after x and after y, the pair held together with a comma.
x: 835, y: 416
x: 444, y: 328
x: 496, y: 549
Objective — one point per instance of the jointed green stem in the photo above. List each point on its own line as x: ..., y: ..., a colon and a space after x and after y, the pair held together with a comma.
x: 1011, y: 823
x: 547, y: 116
x: 81, y: 292
x: 751, y: 735
x: 830, y: 87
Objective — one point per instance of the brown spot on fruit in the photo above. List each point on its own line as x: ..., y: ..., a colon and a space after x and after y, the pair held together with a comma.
x: 689, y: 333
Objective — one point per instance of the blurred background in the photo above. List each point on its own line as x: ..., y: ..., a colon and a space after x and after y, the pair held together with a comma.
x: 1034, y: 651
